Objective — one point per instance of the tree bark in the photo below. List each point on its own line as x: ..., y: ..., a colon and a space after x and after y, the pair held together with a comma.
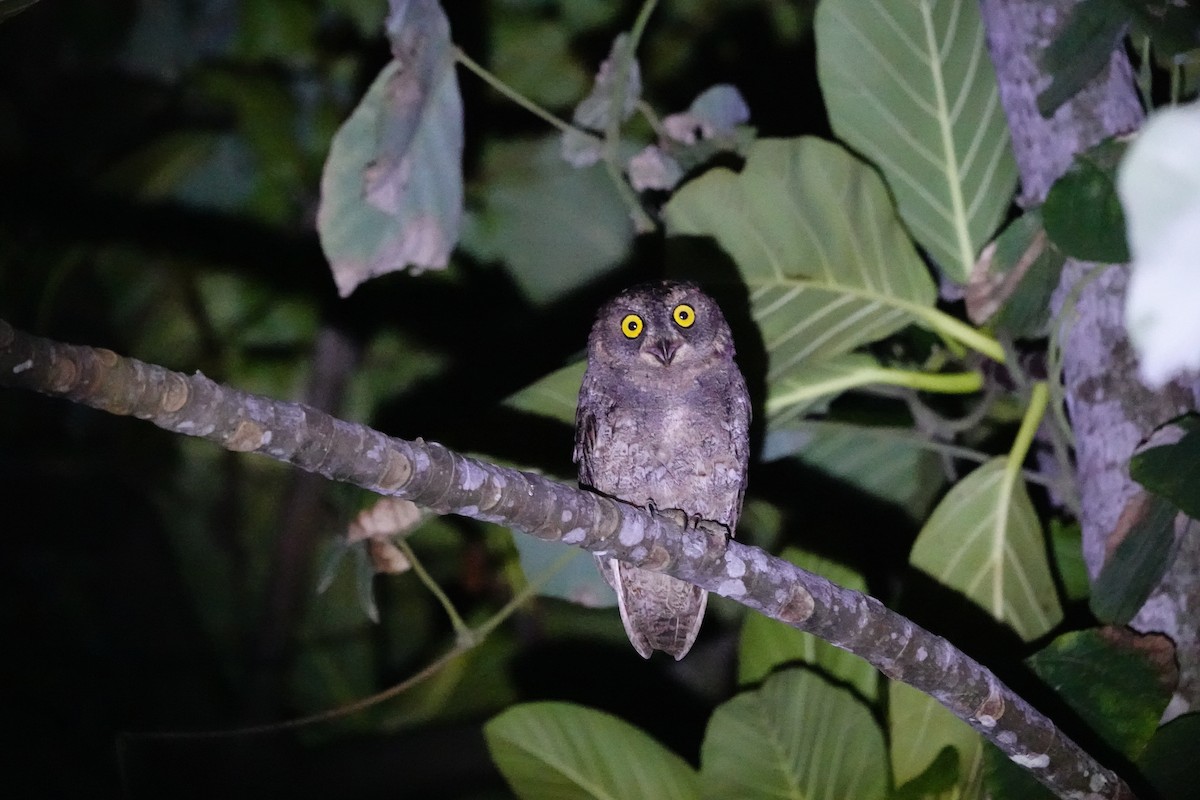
x: 1111, y: 410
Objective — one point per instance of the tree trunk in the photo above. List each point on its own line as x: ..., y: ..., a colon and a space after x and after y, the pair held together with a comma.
x: 1111, y: 411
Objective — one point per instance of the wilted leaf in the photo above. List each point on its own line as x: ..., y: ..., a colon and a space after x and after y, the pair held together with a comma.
x: 1159, y: 185
x: 615, y: 94
x: 910, y: 86
x: 985, y: 541
x: 796, y: 736
x: 391, y: 192
x: 1014, y: 277
x: 561, y: 750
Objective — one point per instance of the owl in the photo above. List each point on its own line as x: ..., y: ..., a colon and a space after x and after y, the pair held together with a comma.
x: 663, y: 423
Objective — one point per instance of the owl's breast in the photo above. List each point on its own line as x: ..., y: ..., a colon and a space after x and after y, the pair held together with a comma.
x: 678, y: 451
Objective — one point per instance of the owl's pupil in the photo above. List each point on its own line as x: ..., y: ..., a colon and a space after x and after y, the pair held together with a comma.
x: 683, y: 315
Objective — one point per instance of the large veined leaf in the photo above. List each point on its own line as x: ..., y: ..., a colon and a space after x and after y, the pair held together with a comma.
x: 908, y: 83
x: 817, y: 241
x: 798, y: 736
x: 984, y: 540
x: 920, y: 728
x: 767, y: 644
x: 893, y: 464
x: 562, y: 751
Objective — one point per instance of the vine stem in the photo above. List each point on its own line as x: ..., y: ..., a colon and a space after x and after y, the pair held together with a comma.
x: 1039, y: 398
x: 461, y: 629
x: 463, y: 646
x: 512, y: 94
x: 948, y: 383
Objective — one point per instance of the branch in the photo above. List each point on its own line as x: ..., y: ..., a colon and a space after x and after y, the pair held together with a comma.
x: 434, y: 477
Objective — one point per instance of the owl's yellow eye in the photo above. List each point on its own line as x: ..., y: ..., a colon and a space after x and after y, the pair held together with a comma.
x: 632, y: 326
x: 684, y: 315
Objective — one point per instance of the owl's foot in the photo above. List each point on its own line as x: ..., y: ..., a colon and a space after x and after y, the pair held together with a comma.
x: 716, y: 534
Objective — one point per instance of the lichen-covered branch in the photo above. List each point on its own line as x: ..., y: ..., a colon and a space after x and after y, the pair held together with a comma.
x: 443, y: 481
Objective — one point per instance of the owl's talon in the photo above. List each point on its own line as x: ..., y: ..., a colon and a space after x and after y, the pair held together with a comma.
x: 717, y: 534
x: 676, y: 515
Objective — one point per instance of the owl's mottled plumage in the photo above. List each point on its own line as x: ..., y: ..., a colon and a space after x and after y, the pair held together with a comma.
x: 662, y: 422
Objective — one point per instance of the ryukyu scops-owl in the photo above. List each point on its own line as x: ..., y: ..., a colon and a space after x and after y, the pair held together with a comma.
x: 662, y: 422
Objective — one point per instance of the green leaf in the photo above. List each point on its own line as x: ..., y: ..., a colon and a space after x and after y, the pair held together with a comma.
x: 910, y: 86
x: 767, y: 644
x: 1137, y: 563
x: 1109, y: 678
x: 561, y: 751
x: 1173, y: 470
x: 533, y: 56
x: 1169, y: 760
x: 938, y: 780
x: 554, y: 395
x: 892, y: 464
x: 1082, y: 213
x: 578, y: 582
x: 1082, y: 48
x: 817, y: 242
x: 553, y: 229
x: 921, y: 729
x: 798, y: 736
x: 1066, y: 545
x: 1113, y: 681
x: 985, y: 541
x: 391, y: 192
x: 1014, y: 278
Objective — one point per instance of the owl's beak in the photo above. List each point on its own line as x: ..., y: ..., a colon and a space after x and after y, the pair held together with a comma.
x: 664, y: 350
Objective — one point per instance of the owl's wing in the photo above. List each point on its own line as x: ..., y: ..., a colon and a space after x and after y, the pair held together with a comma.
x: 593, y: 400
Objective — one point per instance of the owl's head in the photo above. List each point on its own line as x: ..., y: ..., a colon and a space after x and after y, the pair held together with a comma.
x: 663, y: 324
